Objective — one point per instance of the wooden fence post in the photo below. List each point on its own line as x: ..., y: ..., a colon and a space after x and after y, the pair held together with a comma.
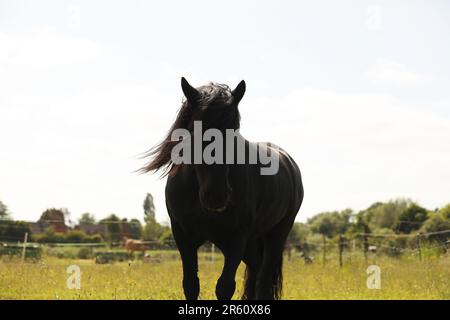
x: 25, y: 240
x: 305, y: 249
x: 366, y: 245
x: 419, y: 249
x: 341, y: 249
x: 324, y: 254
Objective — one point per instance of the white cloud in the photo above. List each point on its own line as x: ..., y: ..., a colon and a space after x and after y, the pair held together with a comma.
x: 395, y: 74
x: 355, y: 149
x: 79, y: 151
x: 44, y: 49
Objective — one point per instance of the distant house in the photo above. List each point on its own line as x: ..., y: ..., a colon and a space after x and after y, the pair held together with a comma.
x: 42, y: 226
x: 88, y: 228
x: 91, y: 229
x: 52, y: 218
x: 38, y: 227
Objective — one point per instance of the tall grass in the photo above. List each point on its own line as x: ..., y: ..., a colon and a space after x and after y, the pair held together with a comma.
x: 404, y: 278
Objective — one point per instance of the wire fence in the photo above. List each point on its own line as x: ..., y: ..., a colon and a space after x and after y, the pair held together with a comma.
x: 365, y: 244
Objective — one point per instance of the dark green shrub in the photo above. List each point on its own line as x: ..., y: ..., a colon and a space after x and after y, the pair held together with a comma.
x: 32, y: 252
x: 85, y: 253
x: 75, y: 236
x: 111, y: 256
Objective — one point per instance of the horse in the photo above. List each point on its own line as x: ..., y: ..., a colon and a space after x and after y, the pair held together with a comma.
x: 133, y: 245
x: 245, y: 213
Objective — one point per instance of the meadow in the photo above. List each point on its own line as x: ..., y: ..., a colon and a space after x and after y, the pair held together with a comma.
x: 401, y: 278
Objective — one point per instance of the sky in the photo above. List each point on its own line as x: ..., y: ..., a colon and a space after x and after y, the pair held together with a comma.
x: 356, y: 91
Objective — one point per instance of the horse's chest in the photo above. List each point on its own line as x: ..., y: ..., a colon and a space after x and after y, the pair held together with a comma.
x: 213, y: 226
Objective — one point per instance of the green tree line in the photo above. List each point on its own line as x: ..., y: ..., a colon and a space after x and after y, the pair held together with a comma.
x: 398, y: 216
x: 88, y: 229
x: 395, y: 217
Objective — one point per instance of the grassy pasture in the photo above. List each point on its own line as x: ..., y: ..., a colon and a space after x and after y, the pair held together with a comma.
x: 404, y: 278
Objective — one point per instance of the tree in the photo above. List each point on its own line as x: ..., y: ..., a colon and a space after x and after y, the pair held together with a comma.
x: 445, y: 212
x: 384, y: 215
x: 86, y: 218
x: 298, y: 233
x: 113, y: 228
x: 153, y: 231
x: 332, y: 223
x: 50, y: 236
x: 4, y: 214
x: 438, y: 221
x: 135, y: 229
x: 75, y: 236
x: 167, y: 238
x: 14, y: 230
x: 411, y: 219
x: 132, y: 229
x: 360, y: 226
x: 149, y: 208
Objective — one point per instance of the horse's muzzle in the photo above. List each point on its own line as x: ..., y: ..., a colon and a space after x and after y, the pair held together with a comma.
x: 215, y: 206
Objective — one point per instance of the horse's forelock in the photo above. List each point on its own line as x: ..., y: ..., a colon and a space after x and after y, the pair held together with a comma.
x: 161, y: 153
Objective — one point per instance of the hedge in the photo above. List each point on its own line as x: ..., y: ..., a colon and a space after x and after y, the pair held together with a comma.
x: 32, y: 252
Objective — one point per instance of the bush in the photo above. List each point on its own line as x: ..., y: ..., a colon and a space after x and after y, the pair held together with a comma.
x: 63, y: 252
x: 32, y: 252
x: 95, y: 238
x: 102, y: 257
x: 50, y: 236
x: 437, y: 222
x: 85, y: 253
x: 13, y: 231
x: 75, y: 236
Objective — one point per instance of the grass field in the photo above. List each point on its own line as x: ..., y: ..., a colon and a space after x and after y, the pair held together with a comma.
x: 405, y: 278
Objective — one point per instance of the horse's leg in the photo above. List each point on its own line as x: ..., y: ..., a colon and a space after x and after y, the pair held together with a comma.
x: 188, y: 252
x: 269, y: 280
x: 233, y: 252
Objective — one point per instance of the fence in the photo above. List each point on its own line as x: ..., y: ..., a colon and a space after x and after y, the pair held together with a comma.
x: 371, y: 245
x: 102, y: 252
x: 365, y: 244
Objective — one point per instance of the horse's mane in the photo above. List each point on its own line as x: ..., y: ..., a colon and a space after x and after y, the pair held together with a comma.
x: 160, y: 154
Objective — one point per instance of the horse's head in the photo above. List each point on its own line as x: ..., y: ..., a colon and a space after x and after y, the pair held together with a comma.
x: 214, y: 112
x: 207, y: 115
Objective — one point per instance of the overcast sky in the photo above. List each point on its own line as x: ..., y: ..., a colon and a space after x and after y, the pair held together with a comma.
x: 356, y: 91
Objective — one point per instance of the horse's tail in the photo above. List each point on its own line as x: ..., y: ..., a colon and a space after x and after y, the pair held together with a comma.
x: 249, y: 285
x: 252, y: 269
x: 277, y: 279
x: 277, y: 282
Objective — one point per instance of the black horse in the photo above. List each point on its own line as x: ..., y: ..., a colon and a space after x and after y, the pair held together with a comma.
x: 246, y: 214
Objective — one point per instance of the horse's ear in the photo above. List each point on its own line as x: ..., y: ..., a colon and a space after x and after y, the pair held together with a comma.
x: 190, y: 92
x: 238, y: 93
